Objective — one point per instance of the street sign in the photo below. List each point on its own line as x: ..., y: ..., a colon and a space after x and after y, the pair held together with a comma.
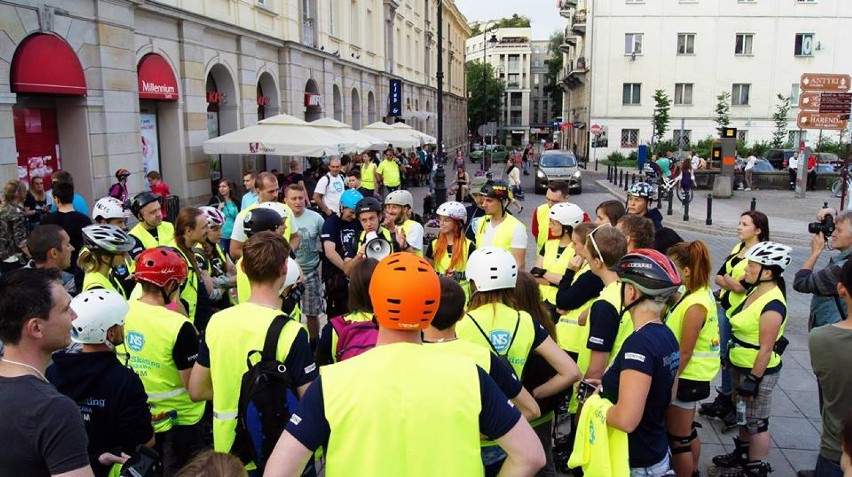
x: 814, y: 120
x: 835, y: 102
x: 809, y: 100
x: 596, y: 129
x: 825, y: 82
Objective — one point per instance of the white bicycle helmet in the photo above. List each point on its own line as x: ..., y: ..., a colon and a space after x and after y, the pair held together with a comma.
x: 400, y: 197
x: 282, y: 209
x: 769, y: 254
x: 213, y: 215
x: 97, y: 311
x: 108, y: 208
x: 570, y: 215
x: 492, y: 268
x: 107, y: 238
x: 294, y: 271
x: 454, y: 210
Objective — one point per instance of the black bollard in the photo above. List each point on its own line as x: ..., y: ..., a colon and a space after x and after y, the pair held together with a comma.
x: 620, y: 178
x: 753, y: 204
x: 669, y: 211
x: 626, y: 180
x: 659, y: 199
x: 709, y: 220
x: 685, y: 210
x: 609, y: 172
x: 632, y: 178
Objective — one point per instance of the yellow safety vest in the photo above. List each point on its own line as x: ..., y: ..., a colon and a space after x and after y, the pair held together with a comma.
x: 150, y: 333
x: 498, y: 322
x: 230, y: 335
x: 95, y: 280
x: 745, y: 325
x: 368, y: 175
x: 737, y: 273
x: 442, y: 266
x: 542, y: 215
x: 390, y: 173
x: 165, y: 235
x: 393, y: 400
x: 502, y: 237
x: 189, y: 289
x: 611, y: 294
x: 557, y: 263
x: 381, y: 231
x: 351, y: 317
x: 704, y: 363
x: 244, y: 290
x: 569, y: 334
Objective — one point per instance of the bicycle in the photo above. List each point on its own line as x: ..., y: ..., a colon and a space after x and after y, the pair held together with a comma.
x: 837, y: 186
x: 665, y: 190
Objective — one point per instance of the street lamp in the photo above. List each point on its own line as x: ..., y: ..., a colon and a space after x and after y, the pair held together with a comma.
x: 493, y: 41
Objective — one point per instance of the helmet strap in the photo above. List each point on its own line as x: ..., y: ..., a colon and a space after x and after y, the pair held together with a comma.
x: 625, y: 309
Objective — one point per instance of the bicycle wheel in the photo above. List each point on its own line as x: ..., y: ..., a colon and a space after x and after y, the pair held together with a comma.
x: 836, y: 187
x: 684, y: 195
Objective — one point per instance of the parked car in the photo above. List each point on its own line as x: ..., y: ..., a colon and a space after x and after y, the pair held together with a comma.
x: 498, y: 153
x: 558, y: 164
x: 830, y: 159
x: 762, y: 165
x: 779, y: 158
x: 826, y: 169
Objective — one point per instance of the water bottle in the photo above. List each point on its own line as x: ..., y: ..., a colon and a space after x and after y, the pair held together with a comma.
x: 741, y: 413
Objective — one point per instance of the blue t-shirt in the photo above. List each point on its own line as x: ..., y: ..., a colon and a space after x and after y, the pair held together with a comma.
x: 651, y: 350
x: 79, y: 204
x: 249, y: 198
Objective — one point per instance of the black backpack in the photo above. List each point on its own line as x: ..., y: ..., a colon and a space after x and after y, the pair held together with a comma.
x: 267, y: 399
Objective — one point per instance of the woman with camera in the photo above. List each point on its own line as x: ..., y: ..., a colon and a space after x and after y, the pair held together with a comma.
x: 752, y: 229
x: 692, y: 319
x: 754, y: 356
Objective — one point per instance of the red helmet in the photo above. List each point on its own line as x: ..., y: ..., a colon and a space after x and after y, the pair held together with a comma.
x: 405, y: 292
x: 653, y: 273
x: 121, y: 173
x: 159, y: 266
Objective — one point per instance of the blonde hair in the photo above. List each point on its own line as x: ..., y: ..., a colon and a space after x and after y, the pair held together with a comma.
x: 213, y: 464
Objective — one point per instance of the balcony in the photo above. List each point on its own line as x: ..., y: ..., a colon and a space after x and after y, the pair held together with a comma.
x: 513, y: 85
x: 569, y: 42
x: 565, y: 7
x: 578, y: 22
x: 575, y: 74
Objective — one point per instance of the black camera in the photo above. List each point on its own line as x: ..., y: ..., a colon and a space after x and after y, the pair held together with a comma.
x: 825, y: 227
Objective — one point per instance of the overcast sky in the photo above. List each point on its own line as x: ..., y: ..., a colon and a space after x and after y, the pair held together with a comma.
x: 543, y: 13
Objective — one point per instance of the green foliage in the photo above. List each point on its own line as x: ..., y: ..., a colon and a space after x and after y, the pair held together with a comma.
x: 615, y: 158
x: 782, y: 110
x: 660, y: 121
x: 660, y: 147
x: 723, y: 110
x: 828, y: 144
x: 554, y: 71
x: 515, y: 21
x: 760, y: 148
x: 481, y: 89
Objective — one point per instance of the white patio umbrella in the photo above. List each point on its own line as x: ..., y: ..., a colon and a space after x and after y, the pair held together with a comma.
x: 281, y: 135
x: 420, y: 136
x: 394, y: 136
x: 360, y: 141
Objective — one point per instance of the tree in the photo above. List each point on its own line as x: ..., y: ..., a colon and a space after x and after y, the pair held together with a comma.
x: 662, y: 103
x: 554, y: 70
x: 782, y: 110
x: 515, y: 21
x: 723, y: 110
x: 481, y: 89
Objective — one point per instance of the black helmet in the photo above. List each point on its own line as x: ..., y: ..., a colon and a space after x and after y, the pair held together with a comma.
x: 261, y: 219
x: 140, y: 200
x: 368, y: 204
x: 497, y: 189
x: 651, y: 272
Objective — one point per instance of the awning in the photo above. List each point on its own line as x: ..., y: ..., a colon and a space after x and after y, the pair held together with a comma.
x: 156, y: 79
x: 45, y: 63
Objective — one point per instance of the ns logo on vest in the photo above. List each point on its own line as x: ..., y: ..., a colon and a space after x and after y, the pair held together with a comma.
x: 500, y: 339
x: 135, y: 341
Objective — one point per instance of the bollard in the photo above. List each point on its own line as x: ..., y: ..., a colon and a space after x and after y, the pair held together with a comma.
x: 659, y: 199
x: 607, y: 171
x: 669, y: 211
x: 753, y: 204
x: 620, y: 178
x: 685, y: 210
x: 709, y: 220
x: 626, y: 180
x: 632, y: 178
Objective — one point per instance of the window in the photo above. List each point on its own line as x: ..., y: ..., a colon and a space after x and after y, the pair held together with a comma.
x: 804, y: 45
x: 629, y: 137
x: 744, y: 44
x: 681, y: 137
x: 794, y: 95
x: 683, y: 94
x: 739, y: 94
x: 632, y: 43
x: 535, y: 79
x: 631, y: 93
x: 742, y: 135
x: 686, y: 43
x: 332, y: 10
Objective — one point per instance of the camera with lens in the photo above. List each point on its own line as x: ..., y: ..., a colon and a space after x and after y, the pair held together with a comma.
x: 824, y: 227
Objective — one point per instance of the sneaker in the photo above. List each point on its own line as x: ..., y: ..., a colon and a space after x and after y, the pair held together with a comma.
x: 719, y: 408
x: 748, y: 188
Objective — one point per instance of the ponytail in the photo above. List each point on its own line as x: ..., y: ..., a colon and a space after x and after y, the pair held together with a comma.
x: 696, y: 256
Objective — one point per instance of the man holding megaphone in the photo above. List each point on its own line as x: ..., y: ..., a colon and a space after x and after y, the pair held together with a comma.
x: 375, y: 240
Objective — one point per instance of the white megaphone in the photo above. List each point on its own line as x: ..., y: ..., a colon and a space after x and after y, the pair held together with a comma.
x: 376, y: 247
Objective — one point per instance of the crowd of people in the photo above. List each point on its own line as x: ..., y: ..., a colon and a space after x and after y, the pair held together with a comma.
x: 196, y: 347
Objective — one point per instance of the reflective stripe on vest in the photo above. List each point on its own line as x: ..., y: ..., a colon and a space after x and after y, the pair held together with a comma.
x: 542, y: 215
x: 165, y: 234
x: 498, y: 322
x: 704, y: 363
x: 557, y: 263
x: 150, y: 333
x: 745, y: 325
x: 430, y: 438
x: 502, y: 236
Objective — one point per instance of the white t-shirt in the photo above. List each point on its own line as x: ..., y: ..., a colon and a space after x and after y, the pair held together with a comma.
x: 331, y: 188
x: 519, y: 236
x: 696, y: 161
x: 751, y: 162
x: 793, y: 162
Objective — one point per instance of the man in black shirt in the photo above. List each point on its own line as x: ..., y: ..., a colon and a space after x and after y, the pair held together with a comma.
x: 338, y: 234
x: 71, y: 221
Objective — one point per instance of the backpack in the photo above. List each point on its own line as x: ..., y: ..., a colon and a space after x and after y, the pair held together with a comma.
x: 353, y: 337
x: 267, y: 399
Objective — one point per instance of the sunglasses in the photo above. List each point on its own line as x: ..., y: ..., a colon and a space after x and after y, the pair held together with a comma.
x: 594, y: 243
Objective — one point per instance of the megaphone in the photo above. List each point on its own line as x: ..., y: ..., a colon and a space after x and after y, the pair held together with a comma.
x: 376, y: 247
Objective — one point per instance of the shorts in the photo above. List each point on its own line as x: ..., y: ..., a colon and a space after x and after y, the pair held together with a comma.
x: 759, y: 407
x: 312, y: 299
x: 660, y: 469
x: 684, y: 404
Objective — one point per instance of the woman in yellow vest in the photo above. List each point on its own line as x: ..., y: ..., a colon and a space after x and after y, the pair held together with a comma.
x: 578, y: 289
x: 409, y: 234
x: 190, y: 230
x: 553, y: 258
x: 219, y: 266
x: 754, y: 355
x: 451, y: 218
x: 753, y: 228
x: 368, y: 174
x: 693, y: 321
x: 493, y: 322
x: 105, y: 247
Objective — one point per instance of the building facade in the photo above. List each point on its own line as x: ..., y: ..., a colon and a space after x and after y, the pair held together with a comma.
x: 541, y: 117
x: 86, y: 80
x: 619, y: 53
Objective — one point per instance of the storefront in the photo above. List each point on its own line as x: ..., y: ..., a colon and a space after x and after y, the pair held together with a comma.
x: 158, y: 113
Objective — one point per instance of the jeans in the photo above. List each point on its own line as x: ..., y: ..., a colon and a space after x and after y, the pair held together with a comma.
x: 660, y: 469
x: 826, y: 467
x: 725, y: 334
x: 432, y: 181
x: 225, y: 243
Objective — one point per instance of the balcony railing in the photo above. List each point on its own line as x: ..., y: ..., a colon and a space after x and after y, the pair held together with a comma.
x: 578, y: 22
x: 566, y: 7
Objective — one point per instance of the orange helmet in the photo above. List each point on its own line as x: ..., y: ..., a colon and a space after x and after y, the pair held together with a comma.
x: 405, y: 292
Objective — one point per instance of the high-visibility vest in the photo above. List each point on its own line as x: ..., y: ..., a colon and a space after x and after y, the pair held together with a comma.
x: 502, y: 237
x: 557, y: 263
x: 499, y: 322
x: 368, y: 175
x: 405, y: 228
x: 611, y: 294
x: 189, y: 288
x: 442, y: 265
x: 569, y: 334
x: 150, y: 333
x: 745, y: 325
x: 737, y: 272
x: 165, y: 235
x: 704, y: 363
x: 407, y: 404
x: 94, y: 280
x: 542, y: 216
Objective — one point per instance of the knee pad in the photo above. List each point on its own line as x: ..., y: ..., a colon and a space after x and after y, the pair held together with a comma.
x: 680, y: 444
x: 756, y: 426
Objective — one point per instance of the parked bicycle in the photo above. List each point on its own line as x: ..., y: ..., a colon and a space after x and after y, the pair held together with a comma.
x: 667, y: 185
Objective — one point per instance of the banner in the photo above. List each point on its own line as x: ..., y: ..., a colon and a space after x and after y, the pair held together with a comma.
x: 150, y: 143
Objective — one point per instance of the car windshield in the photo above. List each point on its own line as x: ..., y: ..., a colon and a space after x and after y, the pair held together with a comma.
x: 558, y: 160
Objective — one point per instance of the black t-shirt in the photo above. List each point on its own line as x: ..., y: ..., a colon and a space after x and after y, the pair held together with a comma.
x: 185, y: 351
x: 651, y: 350
x: 571, y: 296
x: 73, y: 223
x: 342, y: 234
x: 603, y: 326
x: 37, y: 205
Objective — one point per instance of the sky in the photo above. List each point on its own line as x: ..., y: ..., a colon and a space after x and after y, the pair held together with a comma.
x: 544, y: 14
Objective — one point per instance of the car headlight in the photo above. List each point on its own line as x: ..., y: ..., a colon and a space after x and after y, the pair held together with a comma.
x: 577, y: 175
x: 540, y: 174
